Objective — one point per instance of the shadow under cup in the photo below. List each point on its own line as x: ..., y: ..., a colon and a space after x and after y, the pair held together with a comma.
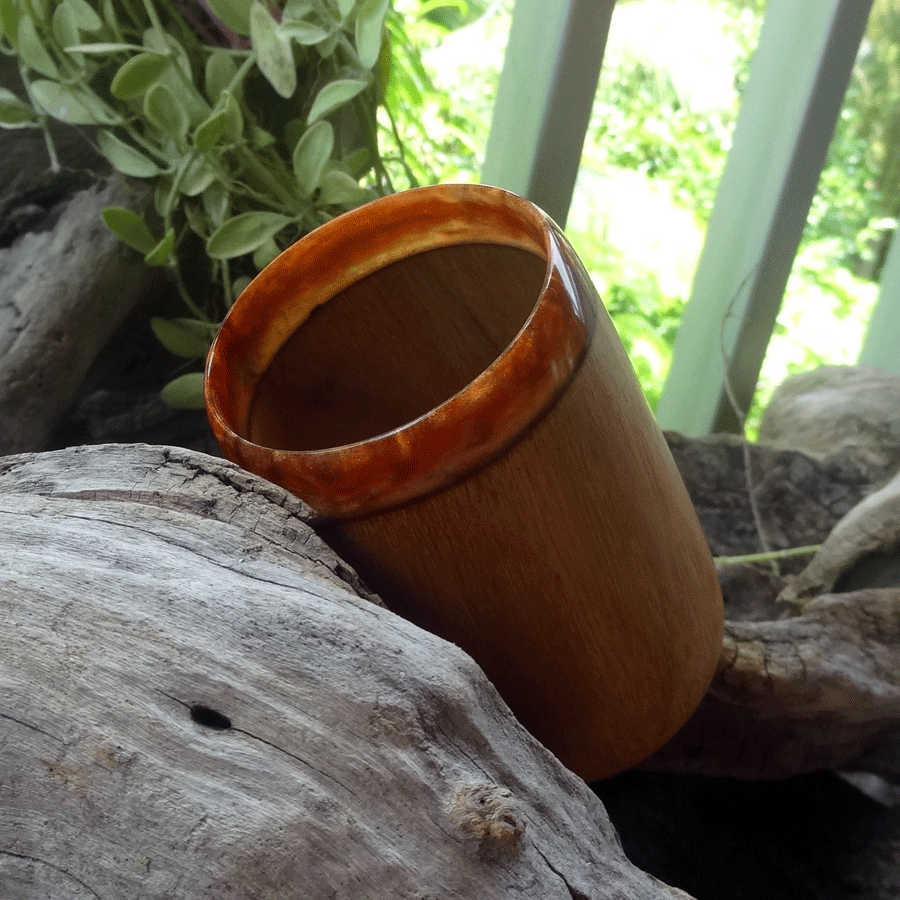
x: 430, y: 374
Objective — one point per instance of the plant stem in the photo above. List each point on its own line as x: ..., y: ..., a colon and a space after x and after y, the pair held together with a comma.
x: 185, y: 296
x: 767, y: 556
x: 154, y: 18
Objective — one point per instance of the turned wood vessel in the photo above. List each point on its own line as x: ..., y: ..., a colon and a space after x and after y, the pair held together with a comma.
x: 434, y: 375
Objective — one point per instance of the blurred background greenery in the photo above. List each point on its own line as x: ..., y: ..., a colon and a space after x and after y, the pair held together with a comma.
x: 659, y: 135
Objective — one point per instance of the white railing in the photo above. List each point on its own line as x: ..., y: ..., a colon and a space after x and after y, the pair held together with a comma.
x: 789, y: 108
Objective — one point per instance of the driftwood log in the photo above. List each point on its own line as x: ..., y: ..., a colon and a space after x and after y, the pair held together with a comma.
x: 200, y: 701
x: 64, y: 291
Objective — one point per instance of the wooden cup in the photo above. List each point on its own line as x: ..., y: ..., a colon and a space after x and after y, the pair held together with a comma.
x: 433, y: 374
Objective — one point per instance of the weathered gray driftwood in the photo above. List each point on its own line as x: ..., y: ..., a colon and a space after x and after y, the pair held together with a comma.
x: 63, y: 293
x: 811, y: 682
x: 199, y: 702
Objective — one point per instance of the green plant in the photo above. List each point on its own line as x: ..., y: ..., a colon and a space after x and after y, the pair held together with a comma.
x: 251, y: 122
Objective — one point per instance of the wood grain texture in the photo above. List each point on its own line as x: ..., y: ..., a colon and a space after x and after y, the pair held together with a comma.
x: 572, y: 568
x: 364, y: 759
x: 471, y: 431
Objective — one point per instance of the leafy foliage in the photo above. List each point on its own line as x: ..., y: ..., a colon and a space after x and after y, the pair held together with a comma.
x: 252, y: 123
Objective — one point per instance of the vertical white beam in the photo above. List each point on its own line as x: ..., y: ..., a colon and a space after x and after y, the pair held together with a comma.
x: 791, y: 102
x: 881, y: 346
x: 544, y: 100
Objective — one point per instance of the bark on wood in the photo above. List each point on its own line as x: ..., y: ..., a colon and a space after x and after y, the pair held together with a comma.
x: 810, y: 682
x: 149, y: 593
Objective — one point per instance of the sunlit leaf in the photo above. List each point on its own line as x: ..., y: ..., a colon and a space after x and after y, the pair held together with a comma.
x: 162, y: 252
x: 345, y: 7
x: 65, y: 28
x: 104, y: 49
x: 32, y: 51
x: 337, y: 188
x: 85, y: 17
x: 244, y: 233
x: 274, y: 56
x: 13, y: 112
x: 334, y: 95
x: 124, y: 158
x: 165, y: 112
x: 184, y: 392
x: 70, y: 105
x: 180, y: 339
x: 369, y: 29
x: 135, y: 76
x: 313, y: 150
x: 129, y: 228
x: 305, y: 33
x: 234, y: 13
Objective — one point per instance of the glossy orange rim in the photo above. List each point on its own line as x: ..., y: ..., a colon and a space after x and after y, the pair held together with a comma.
x: 461, y: 434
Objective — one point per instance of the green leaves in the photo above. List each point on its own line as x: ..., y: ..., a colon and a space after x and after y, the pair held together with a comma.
x: 9, y: 21
x: 135, y: 76
x: 244, y: 233
x: 129, y: 228
x: 234, y: 13
x: 70, y: 104
x: 334, y: 95
x: 165, y: 112
x: 339, y: 189
x: 368, y: 31
x: 218, y: 73
x: 83, y: 14
x: 228, y: 161
x: 32, y: 50
x: 187, y: 338
x: 65, y: 28
x: 274, y: 56
x: 14, y: 113
x: 184, y: 392
x: 312, y: 152
x: 304, y: 33
x: 161, y: 254
x: 125, y: 158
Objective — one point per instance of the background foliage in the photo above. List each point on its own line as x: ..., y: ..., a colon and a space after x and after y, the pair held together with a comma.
x: 659, y: 135
x: 199, y: 102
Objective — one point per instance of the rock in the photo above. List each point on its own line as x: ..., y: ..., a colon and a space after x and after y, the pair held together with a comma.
x: 855, y: 409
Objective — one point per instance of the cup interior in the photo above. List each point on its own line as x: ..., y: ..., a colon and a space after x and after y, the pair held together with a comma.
x: 394, y: 345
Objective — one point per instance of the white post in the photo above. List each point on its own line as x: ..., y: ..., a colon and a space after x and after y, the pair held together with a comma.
x: 791, y: 102
x: 544, y: 100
